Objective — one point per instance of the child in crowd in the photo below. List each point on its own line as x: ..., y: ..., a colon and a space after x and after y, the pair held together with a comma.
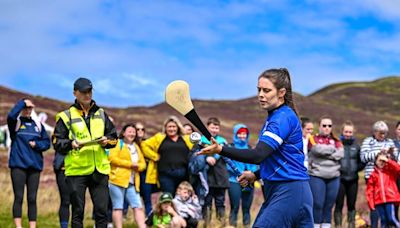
x: 165, y: 215
x: 237, y: 194
x: 382, y: 193
x: 187, y: 204
x: 217, y: 175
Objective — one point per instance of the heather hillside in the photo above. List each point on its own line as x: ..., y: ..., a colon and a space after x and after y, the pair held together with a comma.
x: 361, y: 102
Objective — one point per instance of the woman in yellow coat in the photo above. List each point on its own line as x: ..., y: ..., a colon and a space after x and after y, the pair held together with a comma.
x: 127, y: 162
x: 168, y: 154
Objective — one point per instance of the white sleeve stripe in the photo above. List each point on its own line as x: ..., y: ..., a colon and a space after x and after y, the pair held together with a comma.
x: 273, y: 136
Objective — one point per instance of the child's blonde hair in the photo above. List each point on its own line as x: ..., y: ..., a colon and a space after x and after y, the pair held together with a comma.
x: 184, y: 185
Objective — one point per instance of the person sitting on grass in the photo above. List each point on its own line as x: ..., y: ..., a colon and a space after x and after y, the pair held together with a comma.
x: 187, y: 204
x: 165, y: 215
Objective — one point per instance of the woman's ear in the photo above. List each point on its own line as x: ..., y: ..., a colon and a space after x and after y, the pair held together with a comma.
x: 281, y: 92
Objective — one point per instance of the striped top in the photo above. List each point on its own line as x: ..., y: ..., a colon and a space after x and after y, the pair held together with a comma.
x: 370, y: 148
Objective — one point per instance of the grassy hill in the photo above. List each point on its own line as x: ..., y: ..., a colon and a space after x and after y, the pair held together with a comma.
x: 362, y: 102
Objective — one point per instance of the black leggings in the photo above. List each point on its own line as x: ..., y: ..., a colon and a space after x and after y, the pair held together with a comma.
x: 348, y: 189
x: 63, y: 212
x: 20, y: 178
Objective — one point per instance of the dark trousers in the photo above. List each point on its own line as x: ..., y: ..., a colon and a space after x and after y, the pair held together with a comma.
x: 145, y: 191
x: 64, y: 210
x: 349, y: 190
x: 98, y: 189
x: 324, y: 196
x: 236, y: 194
x: 287, y: 204
x: 218, y: 194
x: 20, y: 178
x: 169, y: 180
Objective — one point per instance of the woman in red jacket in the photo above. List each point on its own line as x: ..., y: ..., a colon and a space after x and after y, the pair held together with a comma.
x: 382, y: 191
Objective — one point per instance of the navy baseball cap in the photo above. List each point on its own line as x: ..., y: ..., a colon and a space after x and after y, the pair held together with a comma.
x: 83, y: 85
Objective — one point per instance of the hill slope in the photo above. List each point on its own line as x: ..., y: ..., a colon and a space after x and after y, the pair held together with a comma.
x: 362, y: 102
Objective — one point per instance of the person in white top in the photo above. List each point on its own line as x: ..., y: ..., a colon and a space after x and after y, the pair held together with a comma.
x: 307, y: 129
x: 127, y: 162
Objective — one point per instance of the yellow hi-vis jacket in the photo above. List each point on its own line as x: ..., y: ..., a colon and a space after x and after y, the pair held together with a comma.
x: 90, y: 157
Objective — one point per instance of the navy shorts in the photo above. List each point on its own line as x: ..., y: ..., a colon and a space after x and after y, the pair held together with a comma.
x: 287, y: 204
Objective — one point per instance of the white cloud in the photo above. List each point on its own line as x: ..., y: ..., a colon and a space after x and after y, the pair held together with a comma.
x: 388, y: 9
x: 136, y: 80
x: 131, y: 50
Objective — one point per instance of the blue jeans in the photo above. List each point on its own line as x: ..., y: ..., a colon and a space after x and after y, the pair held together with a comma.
x: 324, y: 193
x: 235, y: 195
x: 386, y: 212
x: 145, y: 191
x: 169, y: 180
x: 287, y: 204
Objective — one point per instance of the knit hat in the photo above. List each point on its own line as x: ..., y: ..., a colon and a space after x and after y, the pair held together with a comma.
x: 165, y: 197
x: 242, y: 130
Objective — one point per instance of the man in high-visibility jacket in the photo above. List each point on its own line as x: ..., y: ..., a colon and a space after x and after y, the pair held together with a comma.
x: 82, y: 133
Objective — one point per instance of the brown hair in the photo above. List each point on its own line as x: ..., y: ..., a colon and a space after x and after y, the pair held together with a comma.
x: 348, y: 123
x: 213, y: 120
x: 304, y: 121
x: 281, y: 79
x: 333, y: 136
x: 122, y: 132
x: 157, y: 209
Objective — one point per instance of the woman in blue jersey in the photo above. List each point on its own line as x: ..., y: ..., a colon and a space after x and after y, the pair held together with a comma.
x: 279, y: 152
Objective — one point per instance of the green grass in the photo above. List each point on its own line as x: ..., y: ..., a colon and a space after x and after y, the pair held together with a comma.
x: 49, y: 220
x: 48, y: 201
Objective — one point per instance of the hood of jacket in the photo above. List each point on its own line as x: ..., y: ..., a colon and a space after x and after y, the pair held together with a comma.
x: 238, y: 143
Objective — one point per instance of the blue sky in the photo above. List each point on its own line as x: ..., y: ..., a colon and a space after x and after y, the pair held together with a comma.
x: 132, y: 49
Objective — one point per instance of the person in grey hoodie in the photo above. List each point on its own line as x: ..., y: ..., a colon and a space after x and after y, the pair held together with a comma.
x: 187, y: 204
x: 325, y: 152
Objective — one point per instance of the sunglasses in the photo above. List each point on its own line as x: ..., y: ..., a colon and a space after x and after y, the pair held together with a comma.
x: 140, y: 129
x: 327, y: 125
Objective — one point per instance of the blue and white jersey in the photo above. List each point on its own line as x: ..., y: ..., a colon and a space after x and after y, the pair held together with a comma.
x: 282, y: 132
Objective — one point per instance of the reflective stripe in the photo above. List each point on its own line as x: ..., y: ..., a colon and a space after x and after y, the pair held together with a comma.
x: 86, y: 159
x: 273, y: 136
x: 76, y: 120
